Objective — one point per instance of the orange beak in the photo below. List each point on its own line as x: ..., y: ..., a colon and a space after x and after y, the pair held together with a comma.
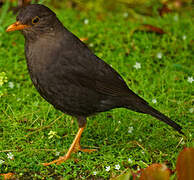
x: 17, y: 26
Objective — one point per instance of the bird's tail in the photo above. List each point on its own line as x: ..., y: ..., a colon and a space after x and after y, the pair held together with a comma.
x: 146, y: 109
x: 164, y: 118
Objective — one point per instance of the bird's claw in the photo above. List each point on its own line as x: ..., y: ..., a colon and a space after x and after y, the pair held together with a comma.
x: 57, y: 162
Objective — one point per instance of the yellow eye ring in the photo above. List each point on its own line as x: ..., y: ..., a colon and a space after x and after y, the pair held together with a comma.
x: 35, y: 20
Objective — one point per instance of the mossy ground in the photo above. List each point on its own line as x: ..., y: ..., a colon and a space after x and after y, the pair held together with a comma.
x: 166, y: 64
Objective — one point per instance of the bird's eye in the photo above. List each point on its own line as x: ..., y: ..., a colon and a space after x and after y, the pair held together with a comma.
x: 35, y: 20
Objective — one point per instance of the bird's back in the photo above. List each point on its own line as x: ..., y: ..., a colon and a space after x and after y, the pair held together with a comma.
x: 69, y: 76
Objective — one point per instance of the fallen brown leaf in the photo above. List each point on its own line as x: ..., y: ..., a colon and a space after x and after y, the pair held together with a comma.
x: 7, y: 176
x: 150, y: 28
x: 185, y: 164
x: 156, y: 172
x: 164, y: 10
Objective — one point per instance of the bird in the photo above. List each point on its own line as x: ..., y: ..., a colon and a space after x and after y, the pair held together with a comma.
x: 68, y: 75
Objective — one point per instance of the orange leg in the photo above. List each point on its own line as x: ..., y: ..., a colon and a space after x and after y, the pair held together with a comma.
x: 75, y: 146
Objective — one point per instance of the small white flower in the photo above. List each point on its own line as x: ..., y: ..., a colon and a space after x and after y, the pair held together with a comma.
x: 86, y: 21
x: 190, y: 79
x: 36, y: 103
x: 94, y: 173
x: 176, y: 18
x: 130, y: 160
x: 91, y: 45
x: 11, y: 85
x: 154, y: 101
x: 52, y: 134
x: 142, y: 152
x: 184, y: 37
x: 130, y: 129
x: 125, y: 14
x: 137, y: 65
x: 117, y: 167
x: 191, y: 110
x: 159, y: 55
x: 57, y: 153
x: 1, y: 161
x: 119, y: 122
x: 10, y: 155
x: 183, y: 142
x: 3, y: 78
x: 107, y: 168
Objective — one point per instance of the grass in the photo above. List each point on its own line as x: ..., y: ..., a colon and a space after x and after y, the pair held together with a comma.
x: 110, y: 36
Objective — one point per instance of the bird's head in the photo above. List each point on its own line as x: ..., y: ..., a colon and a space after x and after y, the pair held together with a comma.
x: 34, y: 19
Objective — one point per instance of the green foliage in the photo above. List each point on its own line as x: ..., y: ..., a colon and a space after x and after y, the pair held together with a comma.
x: 3, y: 80
x: 184, y: 169
x: 120, y: 134
x: 125, y: 176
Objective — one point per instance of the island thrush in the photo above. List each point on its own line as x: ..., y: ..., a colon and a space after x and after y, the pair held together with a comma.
x: 69, y: 76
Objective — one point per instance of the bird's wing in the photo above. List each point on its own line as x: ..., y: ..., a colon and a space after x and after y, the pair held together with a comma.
x: 88, y: 70
x: 108, y: 81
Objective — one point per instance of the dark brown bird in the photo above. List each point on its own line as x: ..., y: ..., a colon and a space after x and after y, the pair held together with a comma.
x: 69, y: 76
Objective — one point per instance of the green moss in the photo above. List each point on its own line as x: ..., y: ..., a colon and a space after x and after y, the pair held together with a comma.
x: 111, y: 37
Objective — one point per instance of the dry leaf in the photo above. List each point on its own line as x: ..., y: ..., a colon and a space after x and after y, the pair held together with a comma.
x: 7, y: 176
x: 23, y: 2
x: 164, y: 10
x: 185, y: 164
x: 150, y: 28
x: 156, y: 172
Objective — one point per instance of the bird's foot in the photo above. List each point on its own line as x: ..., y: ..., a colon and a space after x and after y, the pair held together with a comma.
x: 78, y: 147
x: 87, y: 150
x: 75, y: 146
x: 57, y: 161
x: 67, y: 156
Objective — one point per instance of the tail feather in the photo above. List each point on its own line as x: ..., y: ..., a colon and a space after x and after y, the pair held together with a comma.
x: 164, y: 118
x: 146, y: 109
